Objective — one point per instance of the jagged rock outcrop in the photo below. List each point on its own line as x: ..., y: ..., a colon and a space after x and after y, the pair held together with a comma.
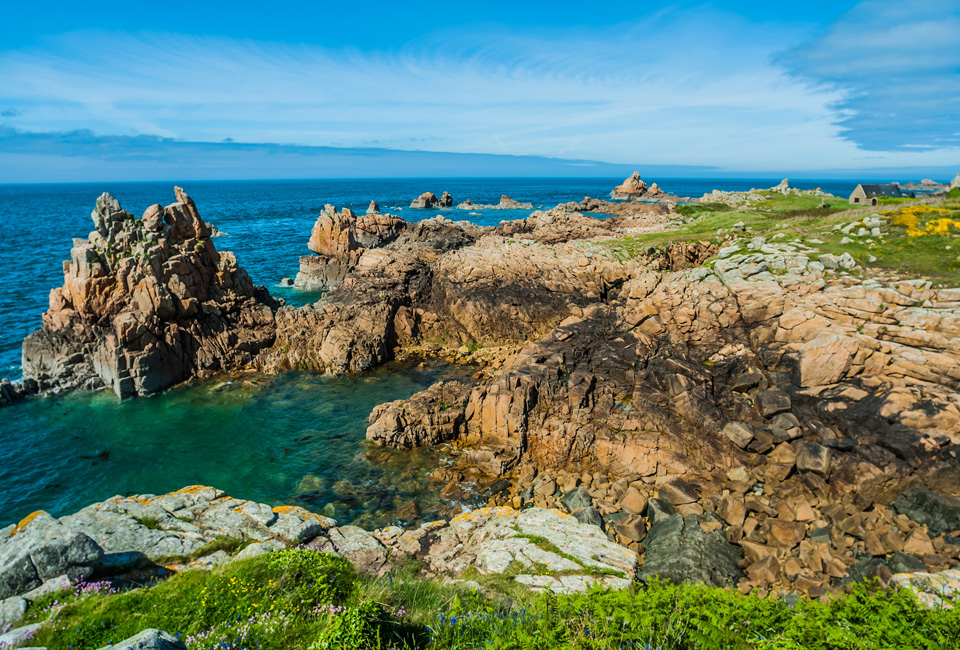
x: 373, y: 208
x: 429, y: 200
x: 339, y: 239
x: 438, y: 280
x: 506, y: 203
x: 635, y: 188
x: 632, y: 188
x: 147, y: 303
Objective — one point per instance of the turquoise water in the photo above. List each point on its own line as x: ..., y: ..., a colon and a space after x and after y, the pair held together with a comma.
x: 297, y: 438
x: 276, y: 439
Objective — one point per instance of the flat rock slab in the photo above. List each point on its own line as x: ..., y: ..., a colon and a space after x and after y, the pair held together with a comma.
x: 149, y: 640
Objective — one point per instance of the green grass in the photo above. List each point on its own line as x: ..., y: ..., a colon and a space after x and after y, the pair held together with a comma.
x: 787, y: 218
x: 150, y: 522
x: 776, y: 213
x: 302, y: 599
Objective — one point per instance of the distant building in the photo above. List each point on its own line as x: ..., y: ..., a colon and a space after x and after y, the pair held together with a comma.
x: 866, y: 194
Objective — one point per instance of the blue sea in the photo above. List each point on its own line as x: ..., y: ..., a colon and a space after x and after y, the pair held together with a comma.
x: 297, y: 438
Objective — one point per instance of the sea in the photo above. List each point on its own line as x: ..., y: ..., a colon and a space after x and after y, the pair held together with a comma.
x: 293, y: 438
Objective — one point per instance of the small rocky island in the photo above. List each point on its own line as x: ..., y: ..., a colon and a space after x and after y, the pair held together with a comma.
x: 739, y: 409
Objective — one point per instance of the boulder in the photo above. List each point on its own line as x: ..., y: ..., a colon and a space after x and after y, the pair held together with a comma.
x: 633, y: 501
x: 812, y: 457
x: 677, y: 548
x: 149, y: 639
x: 41, y: 548
x: 677, y: 492
x: 939, y: 513
x: 739, y: 433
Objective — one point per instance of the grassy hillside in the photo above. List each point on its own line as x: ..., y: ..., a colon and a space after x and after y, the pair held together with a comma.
x: 303, y: 599
x: 917, y: 239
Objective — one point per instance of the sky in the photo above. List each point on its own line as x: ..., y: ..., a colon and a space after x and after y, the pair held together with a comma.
x: 140, y: 91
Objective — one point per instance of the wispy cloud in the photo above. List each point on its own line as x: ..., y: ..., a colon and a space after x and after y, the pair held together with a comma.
x: 897, y: 65
x: 681, y: 86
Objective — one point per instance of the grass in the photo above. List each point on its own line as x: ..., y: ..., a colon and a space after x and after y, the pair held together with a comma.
x: 150, y: 522
x: 787, y: 218
x: 303, y: 599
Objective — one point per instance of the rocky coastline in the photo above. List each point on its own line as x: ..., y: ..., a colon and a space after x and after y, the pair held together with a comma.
x: 744, y: 412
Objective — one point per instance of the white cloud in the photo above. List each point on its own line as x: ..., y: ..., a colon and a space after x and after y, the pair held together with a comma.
x: 680, y: 87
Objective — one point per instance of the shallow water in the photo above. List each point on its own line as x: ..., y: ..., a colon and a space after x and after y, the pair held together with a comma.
x: 283, y: 439
x: 288, y: 439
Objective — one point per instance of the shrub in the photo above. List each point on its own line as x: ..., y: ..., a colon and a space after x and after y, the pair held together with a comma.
x: 354, y: 628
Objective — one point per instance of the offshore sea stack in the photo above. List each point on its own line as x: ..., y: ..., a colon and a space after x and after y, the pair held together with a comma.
x: 635, y: 188
x: 147, y: 303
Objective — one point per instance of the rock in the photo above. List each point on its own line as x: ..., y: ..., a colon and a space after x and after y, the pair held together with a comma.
x: 939, y: 513
x: 373, y: 208
x: 812, y: 457
x: 41, y: 548
x: 546, y: 487
x: 631, y: 188
x: 766, y: 570
x: 785, y: 534
x: 589, y: 515
x: 259, y: 548
x: 577, y: 500
x: 11, y: 610
x: 286, y: 282
x: 739, y: 433
x: 825, y: 360
x: 633, y: 501
x: 732, y: 510
x: 492, y: 539
x: 678, y: 549
x: 430, y: 417
x: 918, y: 543
x: 771, y: 402
x: 677, y: 492
x: 846, y: 261
x: 149, y: 639
x: 429, y: 200
x: 934, y: 590
x: 631, y: 527
x: 147, y: 303
x: 18, y: 636
x: 506, y: 203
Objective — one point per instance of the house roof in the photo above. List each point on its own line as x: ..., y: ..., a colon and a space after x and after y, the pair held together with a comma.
x: 889, y: 189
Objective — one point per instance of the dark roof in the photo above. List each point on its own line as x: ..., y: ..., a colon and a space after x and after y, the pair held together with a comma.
x: 888, y: 189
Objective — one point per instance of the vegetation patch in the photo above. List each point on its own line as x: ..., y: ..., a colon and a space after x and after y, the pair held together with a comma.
x: 303, y: 599
x: 917, y: 240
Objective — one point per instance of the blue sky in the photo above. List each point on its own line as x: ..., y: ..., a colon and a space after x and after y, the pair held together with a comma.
x: 726, y: 85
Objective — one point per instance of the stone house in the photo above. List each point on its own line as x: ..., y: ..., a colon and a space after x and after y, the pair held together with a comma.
x: 866, y: 194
